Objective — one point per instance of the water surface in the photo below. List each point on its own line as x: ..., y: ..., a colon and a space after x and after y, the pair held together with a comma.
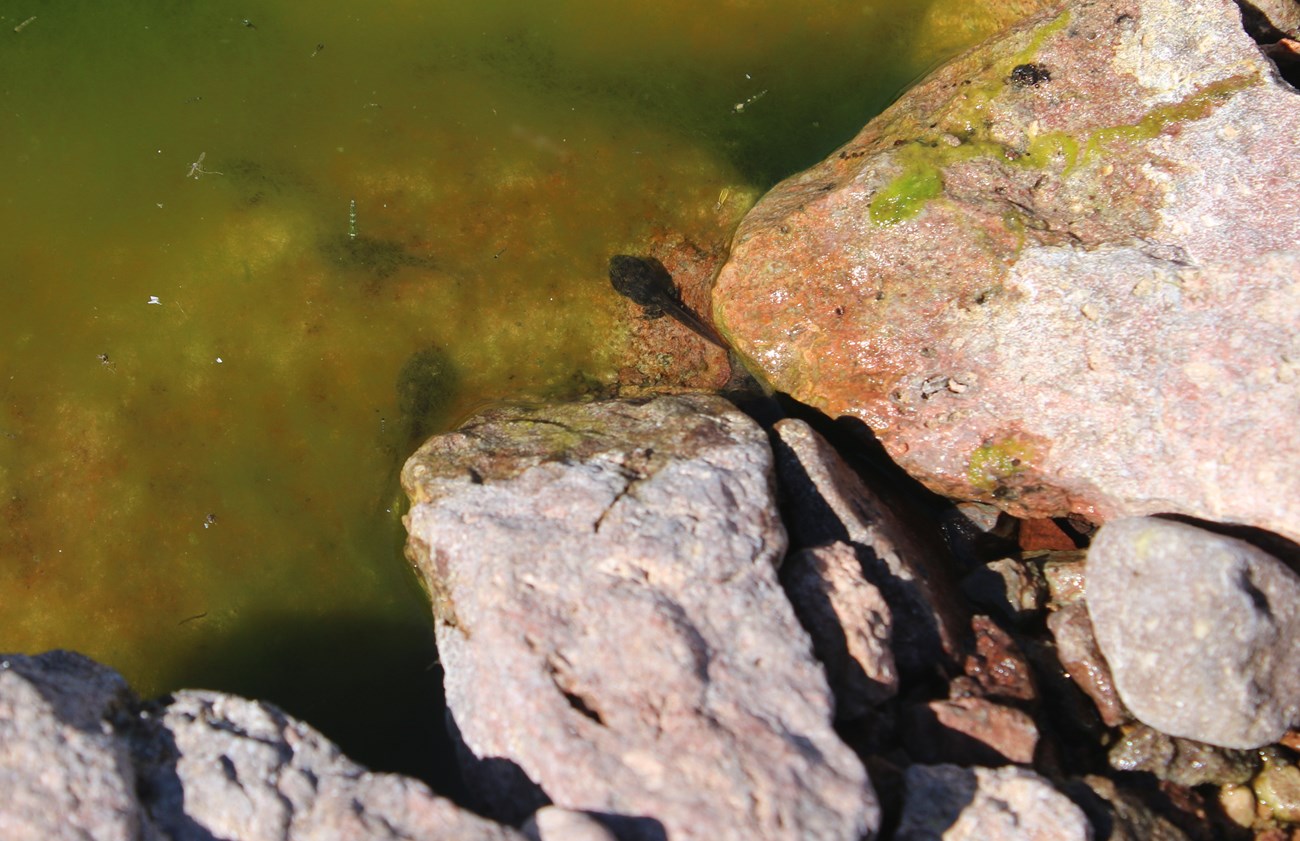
x: 253, y: 253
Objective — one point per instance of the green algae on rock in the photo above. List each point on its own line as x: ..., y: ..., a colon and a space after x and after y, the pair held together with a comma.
x: 1068, y: 231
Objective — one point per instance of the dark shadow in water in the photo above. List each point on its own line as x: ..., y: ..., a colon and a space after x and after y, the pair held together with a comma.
x: 372, y: 685
x: 798, y: 122
x: 427, y: 387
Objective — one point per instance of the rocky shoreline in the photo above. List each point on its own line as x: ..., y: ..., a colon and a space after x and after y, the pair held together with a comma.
x: 1058, y: 284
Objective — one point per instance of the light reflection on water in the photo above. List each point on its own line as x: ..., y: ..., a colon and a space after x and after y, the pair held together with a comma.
x: 202, y: 490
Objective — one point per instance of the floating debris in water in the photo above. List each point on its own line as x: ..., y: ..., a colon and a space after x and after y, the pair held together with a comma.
x: 196, y: 168
x: 741, y: 106
x: 248, y: 23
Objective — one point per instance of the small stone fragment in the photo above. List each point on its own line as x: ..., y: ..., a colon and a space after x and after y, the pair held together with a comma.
x: 948, y: 803
x: 1278, y: 788
x: 1065, y: 573
x: 1040, y: 534
x: 1201, y: 631
x: 850, y: 625
x: 1076, y: 645
x: 997, y: 664
x: 1013, y: 587
x: 1239, y: 804
x: 970, y: 731
x: 1181, y: 761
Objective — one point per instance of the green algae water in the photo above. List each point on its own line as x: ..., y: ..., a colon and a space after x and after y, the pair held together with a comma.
x: 250, y: 255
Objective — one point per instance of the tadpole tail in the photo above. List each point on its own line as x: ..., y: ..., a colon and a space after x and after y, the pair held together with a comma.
x: 694, y: 322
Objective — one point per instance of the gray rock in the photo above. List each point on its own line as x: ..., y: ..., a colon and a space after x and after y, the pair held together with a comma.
x: 850, y: 625
x: 827, y: 501
x: 249, y: 772
x: 611, y: 624
x: 948, y: 803
x: 81, y: 758
x: 1201, y: 631
x: 64, y: 772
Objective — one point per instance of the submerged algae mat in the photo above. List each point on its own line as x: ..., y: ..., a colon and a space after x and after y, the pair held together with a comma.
x: 248, y: 262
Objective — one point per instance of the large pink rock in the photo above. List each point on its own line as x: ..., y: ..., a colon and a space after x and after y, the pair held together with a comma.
x: 612, y: 628
x: 1060, y: 275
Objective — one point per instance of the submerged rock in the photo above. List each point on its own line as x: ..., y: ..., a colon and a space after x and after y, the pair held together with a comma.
x: 82, y: 758
x: 1201, y: 631
x: 1054, y: 276
x: 612, y: 628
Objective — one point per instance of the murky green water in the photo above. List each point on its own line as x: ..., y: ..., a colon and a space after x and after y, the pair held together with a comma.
x: 207, y: 383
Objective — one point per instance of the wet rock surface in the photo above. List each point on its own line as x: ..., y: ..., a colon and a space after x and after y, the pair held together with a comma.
x: 82, y: 758
x: 612, y: 624
x: 1052, y: 276
x: 1201, y: 631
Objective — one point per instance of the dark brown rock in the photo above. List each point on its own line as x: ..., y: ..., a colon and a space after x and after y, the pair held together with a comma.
x: 997, y: 665
x: 1119, y: 815
x: 1076, y: 295
x: 1044, y: 535
x: 611, y: 624
x: 1076, y: 645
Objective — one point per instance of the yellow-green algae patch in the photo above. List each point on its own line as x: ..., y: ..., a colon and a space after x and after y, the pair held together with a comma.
x: 995, y: 462
x: 923, y: 161
x: 903, y: 198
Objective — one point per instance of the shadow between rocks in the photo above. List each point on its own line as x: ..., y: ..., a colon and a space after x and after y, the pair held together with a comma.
x: 373, y: 686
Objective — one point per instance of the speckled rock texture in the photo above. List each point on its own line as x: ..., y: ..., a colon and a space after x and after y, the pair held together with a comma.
x: 1059, y: 275
x: 950, y: 803
x: 611, y: 625
x: 850, y: 624
x: 64, y: 774
x: 1201, y: 631
x: 82, y: 758
x: 826, y: 502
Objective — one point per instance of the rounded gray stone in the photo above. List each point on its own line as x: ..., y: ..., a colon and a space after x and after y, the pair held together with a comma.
x: 1201, y: 631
